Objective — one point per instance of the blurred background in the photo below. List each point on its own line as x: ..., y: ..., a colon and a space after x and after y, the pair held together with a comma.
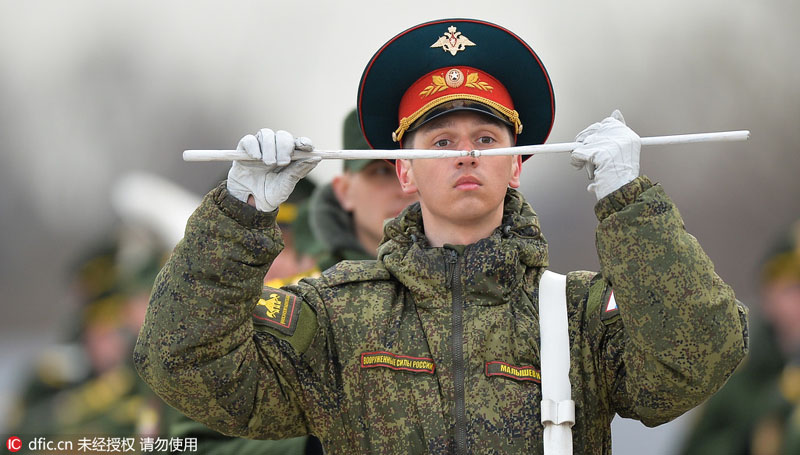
x: 92, y: 90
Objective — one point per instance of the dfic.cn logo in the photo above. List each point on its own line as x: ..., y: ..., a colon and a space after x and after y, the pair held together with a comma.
x: 14, y: 444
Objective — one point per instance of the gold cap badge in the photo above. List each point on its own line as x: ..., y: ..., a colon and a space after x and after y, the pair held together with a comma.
x: 454, y: 78
x: 452, y: 41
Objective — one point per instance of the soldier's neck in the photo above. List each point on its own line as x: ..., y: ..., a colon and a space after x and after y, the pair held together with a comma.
x: 368, y: 241
x: 440, y: 231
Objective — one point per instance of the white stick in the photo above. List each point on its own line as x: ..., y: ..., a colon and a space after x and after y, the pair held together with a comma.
x: 230, y: 155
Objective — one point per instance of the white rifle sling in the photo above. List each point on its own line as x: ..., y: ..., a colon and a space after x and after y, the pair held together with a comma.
x: 557, y: 407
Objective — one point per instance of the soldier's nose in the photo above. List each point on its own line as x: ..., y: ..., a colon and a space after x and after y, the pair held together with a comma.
x: 468, y: 160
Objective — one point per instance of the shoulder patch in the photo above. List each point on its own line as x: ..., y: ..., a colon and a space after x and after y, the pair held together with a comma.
x: 355, y: 271
x: 609, y: 309
x: 602, y: 301
x: 277, y: 309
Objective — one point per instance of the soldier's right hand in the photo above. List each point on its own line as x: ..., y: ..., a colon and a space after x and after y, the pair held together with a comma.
x: 271, y: 176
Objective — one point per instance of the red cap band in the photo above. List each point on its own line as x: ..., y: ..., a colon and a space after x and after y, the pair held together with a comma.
x: 454, y: 83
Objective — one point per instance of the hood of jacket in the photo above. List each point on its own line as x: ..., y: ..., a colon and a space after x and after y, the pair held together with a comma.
x: 491, y: 270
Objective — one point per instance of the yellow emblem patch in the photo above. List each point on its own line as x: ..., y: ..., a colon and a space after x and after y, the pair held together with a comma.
x: 277, y: 309
x: 528, y: 373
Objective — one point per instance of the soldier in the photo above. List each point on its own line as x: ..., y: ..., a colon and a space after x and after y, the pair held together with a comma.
x: 347, y: 214
x: 92, y: 388
x: 434, y: 346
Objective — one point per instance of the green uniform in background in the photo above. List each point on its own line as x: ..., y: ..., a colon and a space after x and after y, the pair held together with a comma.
x: 425, y: 345
x: 333, y: 227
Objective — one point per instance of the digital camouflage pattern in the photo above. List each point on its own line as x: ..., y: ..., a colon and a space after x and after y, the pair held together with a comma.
x: 210, y: 442
x: 356, y: 370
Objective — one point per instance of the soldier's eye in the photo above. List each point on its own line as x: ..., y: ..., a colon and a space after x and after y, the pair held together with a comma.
x: 486, y: 140
x: 442, y: 143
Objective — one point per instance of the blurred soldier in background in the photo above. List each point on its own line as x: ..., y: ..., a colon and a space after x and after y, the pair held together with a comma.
x: 65, y: 364
x: 758, y: 410
x: 86, y: 385
x: 347, y: 214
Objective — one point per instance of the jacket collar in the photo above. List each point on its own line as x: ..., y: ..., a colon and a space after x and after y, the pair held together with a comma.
x: 492, y: 269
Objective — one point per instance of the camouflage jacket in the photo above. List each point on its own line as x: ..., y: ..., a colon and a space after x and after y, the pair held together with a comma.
x: 436, y: 350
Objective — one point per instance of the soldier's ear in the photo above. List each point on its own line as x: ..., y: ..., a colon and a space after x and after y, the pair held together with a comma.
x: 405, y: 174
x: 341, y: 189
x: 516, y: 170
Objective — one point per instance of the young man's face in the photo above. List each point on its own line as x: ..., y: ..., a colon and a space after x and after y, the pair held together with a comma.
x: 372, y: 195
x: 461, y: 190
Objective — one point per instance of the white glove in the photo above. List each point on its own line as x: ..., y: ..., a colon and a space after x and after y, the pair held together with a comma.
x: 272, y: 178
x: 610, y: 153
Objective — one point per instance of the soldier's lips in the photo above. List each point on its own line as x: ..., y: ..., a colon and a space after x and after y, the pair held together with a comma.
x: 467, y: 182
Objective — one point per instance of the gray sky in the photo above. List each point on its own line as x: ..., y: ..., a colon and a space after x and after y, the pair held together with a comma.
x: 91, y: 90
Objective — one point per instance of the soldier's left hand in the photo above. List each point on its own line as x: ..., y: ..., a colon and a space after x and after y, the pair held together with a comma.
x: 610, y: 153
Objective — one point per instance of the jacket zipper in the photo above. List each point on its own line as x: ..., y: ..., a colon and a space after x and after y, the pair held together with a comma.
x: 454, y: 283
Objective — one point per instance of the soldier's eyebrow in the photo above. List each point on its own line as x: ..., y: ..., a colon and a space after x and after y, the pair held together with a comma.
x: 447, y: 122
x: 440, y: 123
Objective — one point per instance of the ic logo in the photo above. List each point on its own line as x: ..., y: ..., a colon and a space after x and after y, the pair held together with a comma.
x: 14, y: 444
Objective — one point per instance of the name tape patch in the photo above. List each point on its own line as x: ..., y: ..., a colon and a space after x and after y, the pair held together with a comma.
x: 277, y: 309
x: 382, y: 359
x: 527, y: 373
